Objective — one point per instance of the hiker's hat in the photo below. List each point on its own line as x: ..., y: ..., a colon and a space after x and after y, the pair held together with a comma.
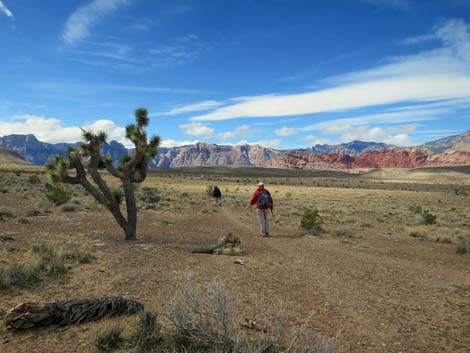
x: 260, y: 183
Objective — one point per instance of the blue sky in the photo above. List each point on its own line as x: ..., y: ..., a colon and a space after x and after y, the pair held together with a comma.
x: 284, y: 74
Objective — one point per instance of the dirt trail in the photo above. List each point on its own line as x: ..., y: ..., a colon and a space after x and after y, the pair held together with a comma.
x: 381, y: 301
x: 384, y: 295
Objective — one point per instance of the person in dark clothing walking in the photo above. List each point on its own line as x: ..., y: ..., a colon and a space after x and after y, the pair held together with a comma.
x: 217, y: 196
x: 264, y: 202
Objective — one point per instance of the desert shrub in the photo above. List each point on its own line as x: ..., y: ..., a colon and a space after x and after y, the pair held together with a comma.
x: 209, y: 190
x: 428, y: 217
x: 23, y: 220
x: 4, y: 278
x: 311, y: 221
x: 51, y: 261
x: 68, y: 207
x: 201, y: 317
x: 418, y: 235
x: 203, y: 322
x: 463, y: 245
x: 147, y: 331
x: 58, y: 195
x: 78, y: 255
x: 107, y: 337
x: 150, y: 195
x: 5, y: 212
x: 34, y: 179
x: 22, y: 275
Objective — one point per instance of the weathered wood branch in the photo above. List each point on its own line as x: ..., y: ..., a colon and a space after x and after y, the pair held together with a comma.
x: 69, y: 312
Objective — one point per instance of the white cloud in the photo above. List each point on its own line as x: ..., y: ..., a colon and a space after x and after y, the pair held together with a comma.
x: 197, y: 129
x: 78, y: 24
x: 286, y: 131
x: 5, y: 10
x: 397, y: 135
x: 341, y: 125
x: 200, y: 106
x: 242, y: 131
x: 313, y: 140
x: 263, y: 143
x: 442, y: 73
x: 53, y: 131
x: 175, y: 143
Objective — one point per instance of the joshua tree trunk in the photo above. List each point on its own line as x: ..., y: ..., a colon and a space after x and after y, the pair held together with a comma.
x: 133, y: 169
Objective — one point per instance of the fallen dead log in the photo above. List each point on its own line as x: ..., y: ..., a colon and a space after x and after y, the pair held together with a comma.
x: 68, y: 312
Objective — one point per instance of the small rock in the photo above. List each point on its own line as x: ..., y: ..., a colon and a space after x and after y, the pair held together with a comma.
x: 240, y: 262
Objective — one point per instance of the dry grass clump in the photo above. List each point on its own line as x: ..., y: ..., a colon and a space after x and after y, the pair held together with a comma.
x: 202, y: 321
x: 6, y: 212
x: 147, y: 331
x: 20, y: 275
x: 107, y: 337
x: 463, y: 245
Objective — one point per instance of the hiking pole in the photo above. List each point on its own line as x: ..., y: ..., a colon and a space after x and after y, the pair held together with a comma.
x: 274, y: 219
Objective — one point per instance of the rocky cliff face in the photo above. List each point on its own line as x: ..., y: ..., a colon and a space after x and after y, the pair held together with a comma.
x: 345, y: 156
x: 307, y: 160
x: 393, y: 158
x: 204, y: 154
x: 457, y: 142
x: 353, y: 148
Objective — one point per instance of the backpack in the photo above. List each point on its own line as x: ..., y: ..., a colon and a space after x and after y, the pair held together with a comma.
x: 264, y: 198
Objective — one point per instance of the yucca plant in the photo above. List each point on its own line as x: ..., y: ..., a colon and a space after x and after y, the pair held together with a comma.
x: 88, y: 163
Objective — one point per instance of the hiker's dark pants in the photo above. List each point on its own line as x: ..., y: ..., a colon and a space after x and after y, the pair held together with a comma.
x: 263, y: 221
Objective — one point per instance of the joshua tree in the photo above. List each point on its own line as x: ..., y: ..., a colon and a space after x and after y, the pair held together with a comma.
x: 87, y: 162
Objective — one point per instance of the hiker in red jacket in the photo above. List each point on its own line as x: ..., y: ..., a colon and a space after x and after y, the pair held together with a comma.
x: 264, y: 202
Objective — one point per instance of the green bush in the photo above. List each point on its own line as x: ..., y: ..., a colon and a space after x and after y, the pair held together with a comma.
x: 428, y: 217
x: 463, y: 245
x: 150, y: 195
x: 311, y: 221
x: 58, y: 195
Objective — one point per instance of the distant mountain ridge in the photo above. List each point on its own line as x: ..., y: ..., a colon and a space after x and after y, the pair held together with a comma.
x: 352, y: 148
x: 459, y: 142
x: 453, y: 150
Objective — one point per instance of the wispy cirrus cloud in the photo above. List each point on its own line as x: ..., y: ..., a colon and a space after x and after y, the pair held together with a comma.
x: 83, y: 18
x: 439, y: 74
x: 5, y: 10
x: 194, y: 107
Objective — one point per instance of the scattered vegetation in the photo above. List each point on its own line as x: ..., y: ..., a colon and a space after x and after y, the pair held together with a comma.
x: 311, y: 221
x: 147, y: 332
x: 210, y: 190
x: 5, y: 213
x: 150, y: 195
x: 34, y: 179
x: 58, y: 195
x: 107, y: 337
x: 463, y: 245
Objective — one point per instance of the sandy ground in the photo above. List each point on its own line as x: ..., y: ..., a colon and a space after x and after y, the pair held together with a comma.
x: 380, y: 293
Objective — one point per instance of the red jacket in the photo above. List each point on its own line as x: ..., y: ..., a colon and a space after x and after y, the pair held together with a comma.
x: 254, y: 199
